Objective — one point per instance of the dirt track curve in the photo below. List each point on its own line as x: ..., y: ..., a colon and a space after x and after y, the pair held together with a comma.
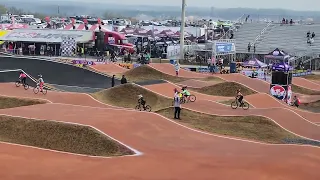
x: 170, y: 151
x: 306, y: 83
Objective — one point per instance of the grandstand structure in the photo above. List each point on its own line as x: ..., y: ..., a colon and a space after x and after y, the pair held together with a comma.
x: 289, y: 38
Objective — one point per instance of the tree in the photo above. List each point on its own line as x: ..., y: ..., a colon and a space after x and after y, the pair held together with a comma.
x: 3, y: 9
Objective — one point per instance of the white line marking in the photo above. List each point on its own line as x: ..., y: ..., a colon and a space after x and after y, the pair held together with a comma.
x: 136, y: 152
x: 132, y: 110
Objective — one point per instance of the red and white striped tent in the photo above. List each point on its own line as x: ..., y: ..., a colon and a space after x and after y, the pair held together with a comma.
x: 82, y: 27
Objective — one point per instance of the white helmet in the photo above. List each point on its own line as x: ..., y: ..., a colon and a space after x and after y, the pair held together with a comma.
x: 140, y: 96
x: 40, y: 75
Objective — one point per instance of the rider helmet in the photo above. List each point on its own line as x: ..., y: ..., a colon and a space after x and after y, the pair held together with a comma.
x: 40, y: 75
x: 140, y: 96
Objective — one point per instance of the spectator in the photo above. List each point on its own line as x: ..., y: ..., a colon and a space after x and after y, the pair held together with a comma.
x: 313, y: 35
x: 123, y: 80
x: 177, y: 68
x: 254, y: 48
x: 308, y: 34
x: 249, y: 47
x: 177, y: 106
x: 112, y: 80
x: 287, y: 21
x: 283, y: 21
x: 291, y: 21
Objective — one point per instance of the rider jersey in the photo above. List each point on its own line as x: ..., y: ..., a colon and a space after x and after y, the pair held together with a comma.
x: 185, y: 92
x: 41, y: 80
x: 22, y: 75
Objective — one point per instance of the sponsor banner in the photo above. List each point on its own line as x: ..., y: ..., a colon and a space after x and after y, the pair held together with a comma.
x: 129, y: 65
x: 83, y: 62
x: 299, y: 73
x: 289, y: 95
x: 278, y: 92
x: 259, y: 74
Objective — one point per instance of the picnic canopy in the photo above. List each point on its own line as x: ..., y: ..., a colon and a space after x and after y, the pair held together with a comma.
x: 254, y: 63
x: 277, y: 54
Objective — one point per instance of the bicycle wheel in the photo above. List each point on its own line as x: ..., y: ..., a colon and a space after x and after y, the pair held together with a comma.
x: 234, y: 105
x: 36, y: 90
x: 192, y: 98
x: 44, y: 91
x: 138, y: 108
x: 245, y: 106
x: 18, y: 84
x: 26, y: 86
x: 148, y: 108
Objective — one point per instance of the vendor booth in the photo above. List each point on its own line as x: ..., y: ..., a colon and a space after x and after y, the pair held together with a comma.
x: 34, y: 41
x: 276, y: 56
x: 256, y: 69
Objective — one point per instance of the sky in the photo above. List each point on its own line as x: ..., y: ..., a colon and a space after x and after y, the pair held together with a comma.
x: 303, y: 5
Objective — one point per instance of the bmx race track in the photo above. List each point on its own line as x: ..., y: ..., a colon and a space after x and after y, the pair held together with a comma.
x: 163, y: 148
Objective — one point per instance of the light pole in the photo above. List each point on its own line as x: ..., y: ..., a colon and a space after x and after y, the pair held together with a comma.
x: 183, y: 15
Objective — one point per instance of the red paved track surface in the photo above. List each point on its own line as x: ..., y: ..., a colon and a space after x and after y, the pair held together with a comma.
x: 169, y: 69
x: 109, y: 68
x: 166, y: 89
x: 197, y: 83
x: 306, y: 83
x: 317, y: 82
x: 170, y: 152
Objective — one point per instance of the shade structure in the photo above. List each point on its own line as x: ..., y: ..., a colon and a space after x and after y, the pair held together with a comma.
x: 254, y: 63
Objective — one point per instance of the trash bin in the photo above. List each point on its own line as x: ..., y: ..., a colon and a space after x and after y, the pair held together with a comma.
x: 233, y: 67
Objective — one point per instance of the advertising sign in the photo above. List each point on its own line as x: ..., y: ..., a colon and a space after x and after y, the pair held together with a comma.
x: 289, y: 95
x: 260, y: 75
x: 83, y: 62
x: 224, y: 47
x: 278, y: 92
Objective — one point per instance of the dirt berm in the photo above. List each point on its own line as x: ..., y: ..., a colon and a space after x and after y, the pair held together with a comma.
x: 146, y: 73
x: 127, y: 96
x: 227, y: 89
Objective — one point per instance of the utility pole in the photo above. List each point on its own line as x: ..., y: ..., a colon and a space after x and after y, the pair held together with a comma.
x: 183, y: 15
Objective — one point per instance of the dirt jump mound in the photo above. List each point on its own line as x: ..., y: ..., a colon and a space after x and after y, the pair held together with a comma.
x: 59, y: 136
x: 227, y: 89
x: 9, y: 102
x: 146, y: 73
x: 127, y: 96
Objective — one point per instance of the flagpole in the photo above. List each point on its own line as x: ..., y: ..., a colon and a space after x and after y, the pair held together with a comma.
x: 183, y: 15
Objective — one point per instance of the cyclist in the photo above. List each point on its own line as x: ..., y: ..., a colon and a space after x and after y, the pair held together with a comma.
x: 40, y: 82
x: 239, y: 97
x: 141, y: 101
x: 186, y: 94
x: 296, y: 101
x: 23, y: 78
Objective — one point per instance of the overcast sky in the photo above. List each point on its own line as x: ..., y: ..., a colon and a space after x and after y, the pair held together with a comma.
x: 312, y: 5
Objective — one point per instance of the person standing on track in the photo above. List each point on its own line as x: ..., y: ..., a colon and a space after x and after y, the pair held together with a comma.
x: 177, y: 68
x: 177, y: 105
x: 23, y: 78
x: 112, y: 81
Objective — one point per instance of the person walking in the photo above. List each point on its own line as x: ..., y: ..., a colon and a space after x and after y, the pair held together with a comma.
x: 112, y: 80
x: 177, y: 106
x: 177, y: 68
x: 123, y: 80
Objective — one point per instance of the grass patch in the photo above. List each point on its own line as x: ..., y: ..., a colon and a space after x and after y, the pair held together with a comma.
x: 227, y: 89
x: 312, y: 77
x: 248, y: 127
x: 59, y: 136
x: 127, y: 96
x: 145, y: 73
x: 313, y: 107
x: 301, y: 90
x: 9, y: 102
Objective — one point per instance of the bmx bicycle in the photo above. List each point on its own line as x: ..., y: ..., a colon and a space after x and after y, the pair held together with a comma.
x: 183, y: 99
x: 139, y: 107
x: 19, y: 83
x: 36, y: 90
x: 235, y: 104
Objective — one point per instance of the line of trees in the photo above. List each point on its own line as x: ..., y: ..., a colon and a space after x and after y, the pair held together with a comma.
x: 16, y: 11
